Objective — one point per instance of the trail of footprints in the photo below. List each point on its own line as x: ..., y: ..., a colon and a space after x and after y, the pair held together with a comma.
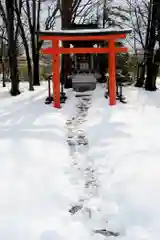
x: 78, y: 144
x: 76, y: 137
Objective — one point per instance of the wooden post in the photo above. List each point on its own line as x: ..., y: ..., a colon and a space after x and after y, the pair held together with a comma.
x: 56, y: 75
x: 112, y: 72
x: 49, y: 87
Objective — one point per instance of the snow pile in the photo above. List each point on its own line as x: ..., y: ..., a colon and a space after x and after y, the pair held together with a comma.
x: 39, y: 182
x: 94, y: 31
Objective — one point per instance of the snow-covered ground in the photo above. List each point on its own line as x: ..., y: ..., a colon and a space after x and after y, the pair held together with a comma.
x: 39, y: 181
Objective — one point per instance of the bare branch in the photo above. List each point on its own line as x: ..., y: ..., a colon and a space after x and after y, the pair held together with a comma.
x: 3, y: 14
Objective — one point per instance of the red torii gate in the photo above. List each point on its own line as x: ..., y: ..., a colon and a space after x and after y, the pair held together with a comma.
x: 83, y: 35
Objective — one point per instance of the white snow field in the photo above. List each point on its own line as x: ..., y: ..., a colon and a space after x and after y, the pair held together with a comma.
x: 39, y: 181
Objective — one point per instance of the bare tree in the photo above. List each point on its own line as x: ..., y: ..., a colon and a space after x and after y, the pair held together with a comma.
x: 145, y: 21
x: 1, y: 56
x: 9, y: 20
x: 153, y: 38
x: 33, y: 12
x: 139, y: 22
x: 70, y: 11
x: 18, y: 4
x: 13, y: 14
x: 138, y: 13
x: 4, y: 65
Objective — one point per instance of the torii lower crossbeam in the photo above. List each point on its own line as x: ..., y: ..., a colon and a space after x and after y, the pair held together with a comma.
x: 69, y: 35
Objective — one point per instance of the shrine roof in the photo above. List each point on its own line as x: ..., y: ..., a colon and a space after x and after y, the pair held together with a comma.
x: 85, y: 32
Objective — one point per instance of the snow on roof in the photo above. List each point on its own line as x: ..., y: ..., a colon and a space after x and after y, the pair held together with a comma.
x: 77, y: 32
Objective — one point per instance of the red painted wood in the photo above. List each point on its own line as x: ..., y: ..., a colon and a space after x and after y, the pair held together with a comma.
x: 81, y: 50
x: 112, y: 72
x: 82, y: 38
x: 56, y: 76
x: 48, y: 50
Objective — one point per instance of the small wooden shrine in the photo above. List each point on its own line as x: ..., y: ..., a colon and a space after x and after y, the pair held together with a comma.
x: 83, y: 63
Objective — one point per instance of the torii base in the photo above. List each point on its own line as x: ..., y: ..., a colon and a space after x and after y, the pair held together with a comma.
x: 63, y: 98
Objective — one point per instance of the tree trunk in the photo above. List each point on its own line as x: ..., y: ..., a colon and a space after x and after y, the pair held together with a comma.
x: 141, y: 79
x: 66, y: 20
x: 66, y: 67
x: 12, y: 49
x: 29, y: 64
x: 14, y: 75
x: 35, y: 60
x: 152, y: 71
x: 150, y: 83
x: 3, y: 75
x: 32, y: 29
x: 36, y: 70
x: 30, y: 76
x: 2, y: 62
x: 141, y: 75
x: 26, y: 48
x: 38, y: 44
